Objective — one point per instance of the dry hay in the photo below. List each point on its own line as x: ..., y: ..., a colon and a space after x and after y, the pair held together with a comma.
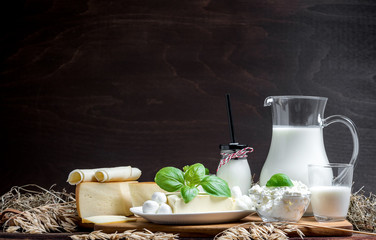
x: 127, y: 235
x: 362, y: 211
x: 33, y: 209
x: 259, y: 231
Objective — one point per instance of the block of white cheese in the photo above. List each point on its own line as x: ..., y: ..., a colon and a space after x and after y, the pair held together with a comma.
x: 201, y: 203
x: 108, y: 219
x: 141, y: 192
x: 94, y: 198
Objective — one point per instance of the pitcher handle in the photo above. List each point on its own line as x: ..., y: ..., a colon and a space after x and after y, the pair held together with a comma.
x: 350, y: 124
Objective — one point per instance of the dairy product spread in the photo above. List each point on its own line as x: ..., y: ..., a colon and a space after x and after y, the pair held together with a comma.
x: 162, y: 203
x: 281, y: 203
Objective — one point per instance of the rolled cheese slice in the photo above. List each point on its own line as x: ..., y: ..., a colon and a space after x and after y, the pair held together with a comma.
x: 114, y: 174
x: 82, y: 175
x: 117, y: 174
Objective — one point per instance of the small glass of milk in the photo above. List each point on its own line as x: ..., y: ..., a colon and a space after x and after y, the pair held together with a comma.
x: 330, y: 187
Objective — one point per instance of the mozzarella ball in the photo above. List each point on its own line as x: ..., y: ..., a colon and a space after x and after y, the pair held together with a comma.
x: 240, y: 205
x: 236, y: 192
x: 247, y: 200
x: 159, y: 197
x: 164, y: 209
x: 150, y: 206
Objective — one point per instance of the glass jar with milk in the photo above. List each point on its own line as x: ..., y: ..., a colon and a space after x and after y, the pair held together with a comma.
x: 234, y: 167
x: 297, y: 137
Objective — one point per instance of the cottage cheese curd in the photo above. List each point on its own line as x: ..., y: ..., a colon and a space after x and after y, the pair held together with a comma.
x: 281, y: 203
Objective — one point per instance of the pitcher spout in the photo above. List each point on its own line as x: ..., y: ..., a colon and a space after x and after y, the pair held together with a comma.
x: 296, y: 110
x: 268, y: 101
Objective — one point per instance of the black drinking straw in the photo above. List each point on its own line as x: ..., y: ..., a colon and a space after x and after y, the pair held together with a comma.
x: 228, y: 104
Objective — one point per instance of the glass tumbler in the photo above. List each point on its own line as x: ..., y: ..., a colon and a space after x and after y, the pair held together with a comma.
x: 330, y: 186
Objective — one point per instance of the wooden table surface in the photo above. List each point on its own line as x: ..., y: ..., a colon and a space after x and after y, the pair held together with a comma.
x: 7, y: 236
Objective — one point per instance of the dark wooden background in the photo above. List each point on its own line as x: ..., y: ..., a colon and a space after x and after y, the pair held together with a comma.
x: 88, y: 84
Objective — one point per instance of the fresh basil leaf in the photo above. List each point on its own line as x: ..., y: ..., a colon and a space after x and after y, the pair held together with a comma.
x: 194, y: 174
x: 188, y: 193
x: 206, y: 171
x: 279, y: 180
x: 185, y: 168
x: 170, y: 179
x: 216, y: 186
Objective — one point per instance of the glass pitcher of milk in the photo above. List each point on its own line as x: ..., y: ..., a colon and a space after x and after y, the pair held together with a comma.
x: 297, y: 137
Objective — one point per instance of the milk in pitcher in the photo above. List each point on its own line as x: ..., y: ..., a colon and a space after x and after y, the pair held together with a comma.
x: 292, y: 149
x: 297, y: 140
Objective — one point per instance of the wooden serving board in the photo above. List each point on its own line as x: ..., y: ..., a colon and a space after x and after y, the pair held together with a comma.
x: 210, y: 230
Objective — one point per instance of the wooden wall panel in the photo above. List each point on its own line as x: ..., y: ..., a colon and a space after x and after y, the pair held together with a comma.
x: 88, y: 84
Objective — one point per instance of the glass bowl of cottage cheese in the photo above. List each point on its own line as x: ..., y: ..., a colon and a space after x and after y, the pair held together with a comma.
x: 280, y: 204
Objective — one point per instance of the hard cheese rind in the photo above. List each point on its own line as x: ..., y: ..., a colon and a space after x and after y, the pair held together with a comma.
x: 95, y: 199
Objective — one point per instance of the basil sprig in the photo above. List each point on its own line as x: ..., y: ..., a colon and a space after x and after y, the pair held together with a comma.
x: 279, y: 180
x: 173, y: 179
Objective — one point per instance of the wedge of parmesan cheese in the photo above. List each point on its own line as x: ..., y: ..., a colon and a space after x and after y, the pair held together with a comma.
x: 111, y: 198
x: 104, y: 219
